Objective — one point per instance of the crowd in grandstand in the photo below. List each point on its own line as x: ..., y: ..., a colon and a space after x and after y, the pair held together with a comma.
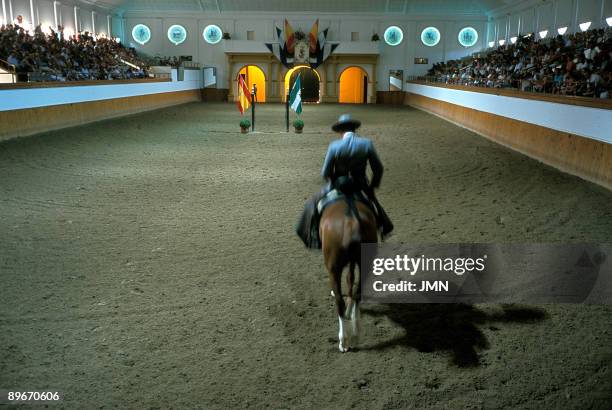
x: 57, y: 56
x: 575, y: 64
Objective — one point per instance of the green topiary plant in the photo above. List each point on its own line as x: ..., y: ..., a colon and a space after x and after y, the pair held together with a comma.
x: 298, y: 125
x: 245, y: 124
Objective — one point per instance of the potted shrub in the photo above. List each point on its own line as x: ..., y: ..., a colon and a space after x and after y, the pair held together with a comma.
x: 226, y: 36
x: 245, y: 124
x: 375, y: 37
x: 298, y: 125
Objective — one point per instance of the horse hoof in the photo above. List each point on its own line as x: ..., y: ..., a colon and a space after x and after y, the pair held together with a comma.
x: 343, y: 349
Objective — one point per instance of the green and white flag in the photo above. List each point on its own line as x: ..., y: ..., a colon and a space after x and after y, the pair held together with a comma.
x: 295, y: 96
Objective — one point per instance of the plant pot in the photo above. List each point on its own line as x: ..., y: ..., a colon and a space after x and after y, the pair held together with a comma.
x: 298, y: 130
x: 244, y: 130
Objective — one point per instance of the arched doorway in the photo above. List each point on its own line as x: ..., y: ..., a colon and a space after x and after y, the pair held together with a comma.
x: 353, y: 86
x: 309, y: 79
x: 253, y: 75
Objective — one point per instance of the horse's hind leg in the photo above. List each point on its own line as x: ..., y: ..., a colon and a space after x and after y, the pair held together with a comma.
x: 353, y: 305
x: 343, y: 332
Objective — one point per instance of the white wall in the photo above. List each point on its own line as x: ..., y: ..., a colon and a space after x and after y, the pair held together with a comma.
x: 16, y: 99
x: 340, y: 27
x: 594, y: 123
x: 534, y: 16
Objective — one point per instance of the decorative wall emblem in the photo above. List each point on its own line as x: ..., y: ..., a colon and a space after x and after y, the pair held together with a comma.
x: 177, y: 34
x: 468, y: 36
x: 212, y: 34
x: 393, y: 35
x: 430, y: 36
x: 293, y: 48
x: 141, y: 34
x: 301, y: 53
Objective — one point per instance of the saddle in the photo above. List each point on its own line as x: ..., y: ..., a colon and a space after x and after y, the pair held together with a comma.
x: 343, y: 188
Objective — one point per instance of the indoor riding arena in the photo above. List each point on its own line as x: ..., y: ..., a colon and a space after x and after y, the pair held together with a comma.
x: 148, y: 247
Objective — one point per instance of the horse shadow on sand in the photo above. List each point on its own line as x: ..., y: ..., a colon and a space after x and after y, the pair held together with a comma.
x: 455, y: 328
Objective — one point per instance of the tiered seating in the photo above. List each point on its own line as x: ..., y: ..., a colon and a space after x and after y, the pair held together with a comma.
x: 56, y: 56
x: 575, y: 64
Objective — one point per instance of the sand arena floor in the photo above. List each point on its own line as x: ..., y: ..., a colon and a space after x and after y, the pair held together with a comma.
x: 150, y: 261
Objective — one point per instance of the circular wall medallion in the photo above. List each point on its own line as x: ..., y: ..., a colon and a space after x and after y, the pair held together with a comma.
x: 212, y: 34
x: 141, y: 34
x: 468, y: 36
x: 430, y: 36
x: 393, y: 35
x: 177, y: 34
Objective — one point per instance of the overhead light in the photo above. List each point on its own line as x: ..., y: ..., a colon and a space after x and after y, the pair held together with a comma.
x: 543, y: 33
x: 585, y: 26
x: 502, y: 42
x: 562, y: 30
x: 491, y: 43
x: 513, y: 39
x: 609, y: 21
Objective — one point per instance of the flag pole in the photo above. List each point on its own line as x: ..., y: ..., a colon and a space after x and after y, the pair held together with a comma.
x: 253, y: 97
x: 287, y: 112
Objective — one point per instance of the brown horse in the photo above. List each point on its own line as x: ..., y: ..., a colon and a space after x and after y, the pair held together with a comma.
x: 344, y: 226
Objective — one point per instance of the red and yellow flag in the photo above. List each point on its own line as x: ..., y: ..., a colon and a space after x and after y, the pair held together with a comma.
x: 314, y: 37
x: 289, y: 37
x: 244, y: 96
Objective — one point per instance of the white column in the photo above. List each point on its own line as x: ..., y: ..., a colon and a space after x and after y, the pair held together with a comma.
x: 575, y: 21
x: 5, y: 19
x: 108, y: 27
x: 76, y: 20
x: 507, y: 38
x: 55, y: 20
x: 32, y: 15
x: 93, y: 23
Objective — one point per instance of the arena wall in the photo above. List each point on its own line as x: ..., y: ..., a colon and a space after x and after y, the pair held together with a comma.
x: 341, y: 26
x: 573, y: 138
x: 27, y: 111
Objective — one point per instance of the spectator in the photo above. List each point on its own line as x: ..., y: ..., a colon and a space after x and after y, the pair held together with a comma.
x: 576, y: 64
x: 60, y: 57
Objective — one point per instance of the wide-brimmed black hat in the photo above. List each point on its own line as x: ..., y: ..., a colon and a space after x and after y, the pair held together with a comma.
x: 346, y: 122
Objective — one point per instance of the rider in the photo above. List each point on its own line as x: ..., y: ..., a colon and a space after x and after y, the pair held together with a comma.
x: 346, y: 160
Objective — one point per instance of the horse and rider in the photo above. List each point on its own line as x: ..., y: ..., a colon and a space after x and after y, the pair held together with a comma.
x: 344, y: 169
x: 344, y: 215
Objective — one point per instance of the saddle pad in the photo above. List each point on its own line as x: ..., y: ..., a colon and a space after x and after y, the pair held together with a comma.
x: 332, y: 196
